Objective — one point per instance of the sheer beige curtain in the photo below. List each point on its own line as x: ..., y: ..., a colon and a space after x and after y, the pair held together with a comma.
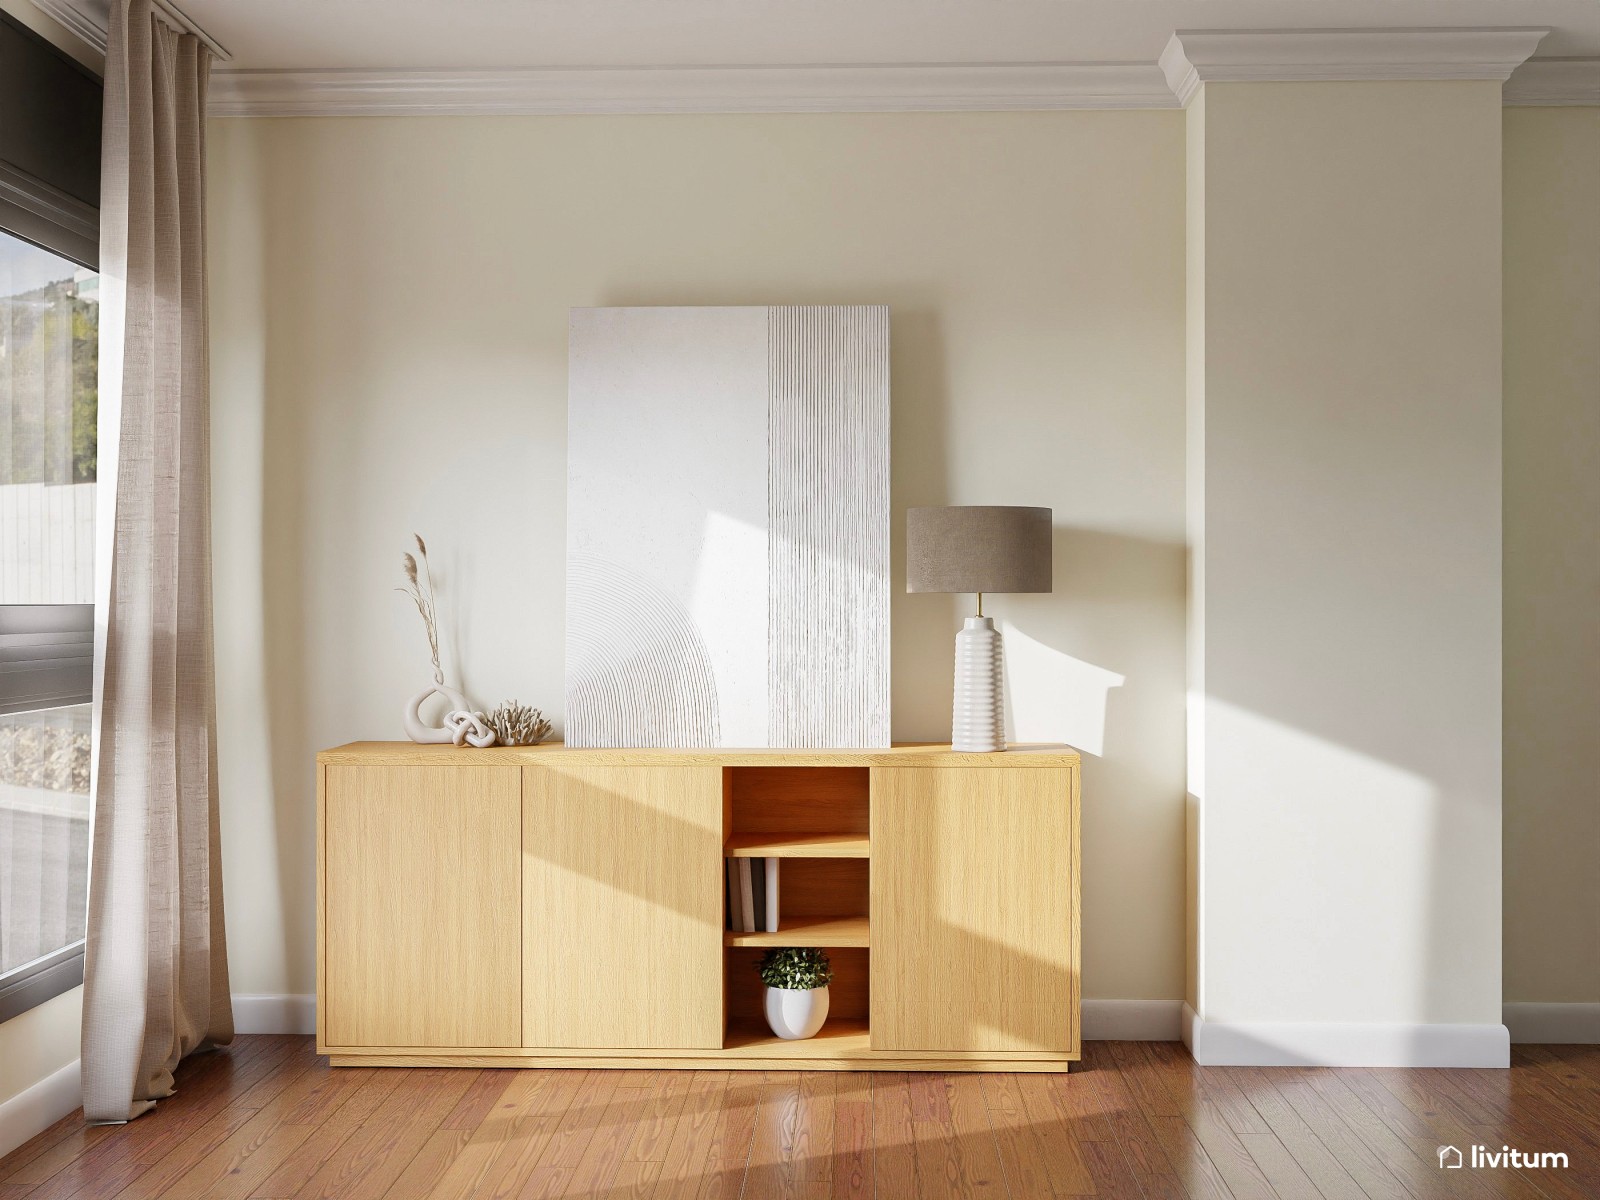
x: 155, y: 971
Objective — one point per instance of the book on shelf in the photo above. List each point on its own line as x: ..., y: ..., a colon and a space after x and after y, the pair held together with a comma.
x: 735, y: 918
x: 771, y: 914
x: 747, y: 901
x: 752, y: 895
x: 758, y: 895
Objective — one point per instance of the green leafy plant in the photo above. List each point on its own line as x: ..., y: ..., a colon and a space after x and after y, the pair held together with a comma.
x: 798, y: 969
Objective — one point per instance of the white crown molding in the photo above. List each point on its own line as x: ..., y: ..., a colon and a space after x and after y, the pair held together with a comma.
x: 88, y: 20
x: 84, y: 20
x: 1191, y: 58
x: 1554, y: 82
x: 1196, y: 56
x: 932, y: 88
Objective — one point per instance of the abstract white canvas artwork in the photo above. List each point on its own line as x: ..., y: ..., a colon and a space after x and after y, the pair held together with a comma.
x: 728, y: 527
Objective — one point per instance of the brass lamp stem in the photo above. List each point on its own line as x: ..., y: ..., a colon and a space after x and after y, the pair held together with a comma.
x: 980, y: 604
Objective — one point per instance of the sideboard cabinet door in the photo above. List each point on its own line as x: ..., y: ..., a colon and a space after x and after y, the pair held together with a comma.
x: 972, y: 932
x: 622, y: 906
x: 422, y: 929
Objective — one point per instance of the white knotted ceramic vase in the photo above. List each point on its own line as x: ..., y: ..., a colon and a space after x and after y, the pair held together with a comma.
x: 419, y: 730
x: 978, y: 722
x: 796, y: 1013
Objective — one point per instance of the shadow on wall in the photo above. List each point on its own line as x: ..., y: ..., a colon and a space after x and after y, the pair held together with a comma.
x: 1057, y: 682
x: 1351, y: 848
x: 1099, y: 663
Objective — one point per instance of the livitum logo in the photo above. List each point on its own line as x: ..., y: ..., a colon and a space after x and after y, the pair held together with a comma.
x: 1451, y: 1159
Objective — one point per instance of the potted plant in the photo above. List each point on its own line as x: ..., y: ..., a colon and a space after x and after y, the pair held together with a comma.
x: 797, y: 990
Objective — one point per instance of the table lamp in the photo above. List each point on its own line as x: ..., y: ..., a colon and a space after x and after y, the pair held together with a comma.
x: 978, y: 548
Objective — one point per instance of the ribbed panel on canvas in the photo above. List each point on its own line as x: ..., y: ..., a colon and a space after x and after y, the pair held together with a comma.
x: 828, y: 531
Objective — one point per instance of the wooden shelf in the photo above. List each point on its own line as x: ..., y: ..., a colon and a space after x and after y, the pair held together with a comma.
x: 839, y: 1038
x: 806, y: 931
x: 798, y: 845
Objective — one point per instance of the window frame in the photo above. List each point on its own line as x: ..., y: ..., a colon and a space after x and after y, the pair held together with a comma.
x: 53, y: 643
x: 49, y: 190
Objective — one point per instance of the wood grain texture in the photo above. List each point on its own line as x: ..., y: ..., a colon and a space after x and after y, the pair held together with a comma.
x: 267, y: 1118
x: 807, y: 931
x: 851, y: 1055
x: 973, y: 940
x: 800, y: 799
x: 620, y: 881
x: 927, y: 754
x: 422, y: 925
x: 824, y: 887
x: 622, y: 905
x: 797, y: 845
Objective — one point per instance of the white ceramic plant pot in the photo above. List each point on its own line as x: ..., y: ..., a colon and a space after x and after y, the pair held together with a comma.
x: 795, y: 1013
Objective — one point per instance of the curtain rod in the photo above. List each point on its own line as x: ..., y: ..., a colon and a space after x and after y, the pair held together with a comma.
x: 182, y: 20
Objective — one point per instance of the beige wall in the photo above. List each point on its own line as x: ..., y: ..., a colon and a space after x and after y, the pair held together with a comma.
x: 1349, y: 763
x: 389, y: 325
x: 36, y: 1044
x: 1552, y: 555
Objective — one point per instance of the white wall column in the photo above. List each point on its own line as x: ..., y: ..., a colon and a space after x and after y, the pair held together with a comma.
x: 1344, y: 468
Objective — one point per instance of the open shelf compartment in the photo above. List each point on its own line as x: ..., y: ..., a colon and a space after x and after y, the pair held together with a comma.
x: 815, y: 821
x: 848, y: 1005
x: 785, y: 812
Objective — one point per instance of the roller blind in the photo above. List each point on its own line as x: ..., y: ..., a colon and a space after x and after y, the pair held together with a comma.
x: 49, y: 146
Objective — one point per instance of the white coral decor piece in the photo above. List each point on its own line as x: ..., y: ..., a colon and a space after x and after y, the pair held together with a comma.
x: 517, y: 724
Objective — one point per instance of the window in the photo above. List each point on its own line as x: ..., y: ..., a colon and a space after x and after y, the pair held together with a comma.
x: 49, y: 322
x: 49, y: 351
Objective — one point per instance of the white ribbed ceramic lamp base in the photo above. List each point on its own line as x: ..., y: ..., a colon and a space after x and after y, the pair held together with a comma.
x: 979, y: 719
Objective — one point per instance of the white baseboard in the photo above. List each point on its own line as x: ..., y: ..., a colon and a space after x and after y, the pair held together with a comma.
x: 274, y: 1014
x: 1558, y: 1023
x: 1339, y: 1044
x: 1132, y: 1020
x: 29, y: 1113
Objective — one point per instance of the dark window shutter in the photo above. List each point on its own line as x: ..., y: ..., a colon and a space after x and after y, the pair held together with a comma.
x: 49, y: 146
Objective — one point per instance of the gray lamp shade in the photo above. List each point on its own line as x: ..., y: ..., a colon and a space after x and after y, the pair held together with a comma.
x: 978, y: 548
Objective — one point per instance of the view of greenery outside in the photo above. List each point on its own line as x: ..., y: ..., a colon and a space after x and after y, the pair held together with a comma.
x: 49, y: 398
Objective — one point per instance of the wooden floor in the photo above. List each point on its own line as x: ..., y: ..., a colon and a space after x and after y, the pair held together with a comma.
x: 269, y: 1118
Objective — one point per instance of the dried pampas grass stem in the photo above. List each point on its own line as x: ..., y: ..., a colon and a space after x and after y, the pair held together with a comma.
x: 420, y: 589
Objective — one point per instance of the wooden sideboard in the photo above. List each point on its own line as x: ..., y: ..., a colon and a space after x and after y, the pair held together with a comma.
x: 540, y: 906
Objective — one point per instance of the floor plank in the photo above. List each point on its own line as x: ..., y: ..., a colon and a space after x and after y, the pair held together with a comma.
x: 1037, y: 1153
x: 852, y: 1174
x: 1333, y: 1181
x: 507, y: 1147
x: 267, y: 1119
x: 1141, y: 1149
x: 364, y: 1165
x: 710, y: 1147
x: 361, y: 1091
x: 202, y: 1100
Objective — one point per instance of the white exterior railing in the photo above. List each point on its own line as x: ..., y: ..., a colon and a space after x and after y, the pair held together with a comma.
x: 47, y: 543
